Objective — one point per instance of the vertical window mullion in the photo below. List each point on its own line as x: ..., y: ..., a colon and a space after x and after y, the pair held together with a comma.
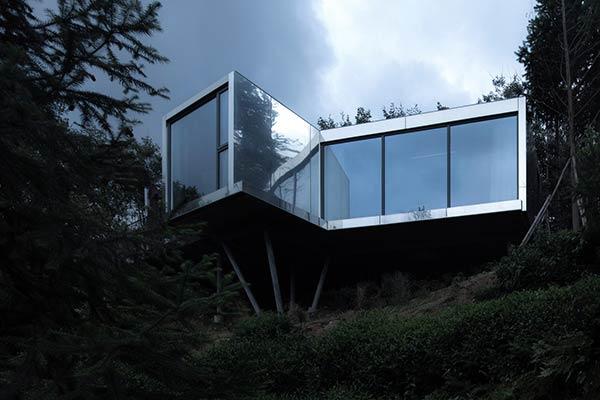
x: 448, y: 166
x: 383, y: 175
x: 218, y: 133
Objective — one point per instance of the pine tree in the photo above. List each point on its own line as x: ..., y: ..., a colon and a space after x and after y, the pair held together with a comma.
x: 95, y: 303
x: 561, y: 56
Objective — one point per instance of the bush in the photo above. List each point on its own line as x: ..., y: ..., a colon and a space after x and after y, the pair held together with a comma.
x: 480, y: 350
x: 559, y: 258
x: 588, y: 159
x: 267, y: 325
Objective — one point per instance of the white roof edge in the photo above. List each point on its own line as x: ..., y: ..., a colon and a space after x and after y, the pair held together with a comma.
x: 198, y: 96
x: 424, y: 119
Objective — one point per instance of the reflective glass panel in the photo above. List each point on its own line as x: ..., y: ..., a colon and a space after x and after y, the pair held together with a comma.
x: 223, y: 117
x: 271, y: 147
x: 353, y: 179
x: 483, y: 163
x: 416, y: 171
x: 315, y: 178
x: 193, y: 155
x: 223, y: 167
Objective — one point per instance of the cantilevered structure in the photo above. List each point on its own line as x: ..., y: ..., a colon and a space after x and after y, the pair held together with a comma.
x: 288, y: 202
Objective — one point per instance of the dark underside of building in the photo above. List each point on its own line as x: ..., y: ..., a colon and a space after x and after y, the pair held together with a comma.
x: 424, y: 249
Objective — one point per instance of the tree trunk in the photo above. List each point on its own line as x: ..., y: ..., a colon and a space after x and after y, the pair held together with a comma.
x: 571, y: 120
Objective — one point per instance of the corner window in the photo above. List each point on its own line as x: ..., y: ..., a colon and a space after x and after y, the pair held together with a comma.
x: 199, y: 150
x: 193, y: 157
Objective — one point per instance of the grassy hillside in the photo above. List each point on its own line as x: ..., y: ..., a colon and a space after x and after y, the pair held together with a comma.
x: 538, y: 339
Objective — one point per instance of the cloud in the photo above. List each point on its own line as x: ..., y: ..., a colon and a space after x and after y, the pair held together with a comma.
x: 418, y: 51
x: 276, y: 44
x: 320, y: 57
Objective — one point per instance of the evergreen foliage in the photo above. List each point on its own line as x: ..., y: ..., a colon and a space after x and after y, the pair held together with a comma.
x: 559, y: 258
x: 530, y: 344
x: 97, y: 298
x: 363, y: 115
x: 394, y: 111
x: 589, y: 183
x: 561, y: 56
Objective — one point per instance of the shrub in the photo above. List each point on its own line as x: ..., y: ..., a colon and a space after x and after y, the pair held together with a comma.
x: 396, y: 288
x: 474, y: 351
x: 559, y: 258
x: 267, y: 325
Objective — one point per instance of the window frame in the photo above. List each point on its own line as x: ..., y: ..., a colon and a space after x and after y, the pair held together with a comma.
x: 382, y: 135
x: 188, y: 109
x: 225, y: 146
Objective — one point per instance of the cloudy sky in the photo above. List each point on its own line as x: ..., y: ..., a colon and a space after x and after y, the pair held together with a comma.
x: 321, y: 57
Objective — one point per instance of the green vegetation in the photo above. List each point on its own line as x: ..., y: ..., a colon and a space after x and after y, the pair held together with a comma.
x: 529, y: 344
x: 555, y: 259
x: 99, y: 299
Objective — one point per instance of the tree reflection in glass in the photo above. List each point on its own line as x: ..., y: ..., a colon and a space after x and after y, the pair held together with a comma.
x: 271, y: 147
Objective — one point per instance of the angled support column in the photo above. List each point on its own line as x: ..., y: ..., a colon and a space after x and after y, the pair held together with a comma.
x: 238, y: 272
x: 315, y: 303
x: 273, y: 269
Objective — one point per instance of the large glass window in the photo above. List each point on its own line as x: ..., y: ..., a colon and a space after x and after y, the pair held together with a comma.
x: 416, y: 171
x: 193, y: 154
x: 271, y: 147
x: 483, y: 161
x: 352, y: 186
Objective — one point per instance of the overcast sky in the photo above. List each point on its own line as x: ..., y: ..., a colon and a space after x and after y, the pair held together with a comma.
x: 321, y: 57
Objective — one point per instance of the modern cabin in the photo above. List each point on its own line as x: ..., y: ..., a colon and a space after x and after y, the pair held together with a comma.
x: 287, y: 202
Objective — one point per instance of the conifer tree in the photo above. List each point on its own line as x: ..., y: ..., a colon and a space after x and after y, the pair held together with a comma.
x: 94, y: 302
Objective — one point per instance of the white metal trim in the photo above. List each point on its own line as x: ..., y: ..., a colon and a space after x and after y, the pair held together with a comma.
x: 369, y: 128
x: 165, y: 161
x: 231, y: 131
x: 522, y: 152
x: 449, y: 116
x: 194, y: 99
x: 453, y: 115
x: 440, y: 213
x: 360, y: 222
x: 485, y: 208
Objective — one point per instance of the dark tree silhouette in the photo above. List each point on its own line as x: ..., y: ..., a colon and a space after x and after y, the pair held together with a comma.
x: 95, y: 303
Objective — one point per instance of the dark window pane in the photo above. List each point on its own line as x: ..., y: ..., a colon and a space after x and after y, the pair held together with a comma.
x: 483, y: 161
x: 223, y: 168
x: 353, y: 179
x: 224, y: 117
x: 193, y: 155
x: 416, y: 171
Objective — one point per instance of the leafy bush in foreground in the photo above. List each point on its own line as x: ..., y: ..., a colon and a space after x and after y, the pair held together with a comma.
x: 505, y: 348
x: 559, y: 258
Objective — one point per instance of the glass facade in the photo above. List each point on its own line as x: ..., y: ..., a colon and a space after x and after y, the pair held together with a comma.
x: 193, y: 154
x: 277, y: 157
x: 416, y: 171
x: 483, y: 161
x: 352, y: 186
x: 272, y: 151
